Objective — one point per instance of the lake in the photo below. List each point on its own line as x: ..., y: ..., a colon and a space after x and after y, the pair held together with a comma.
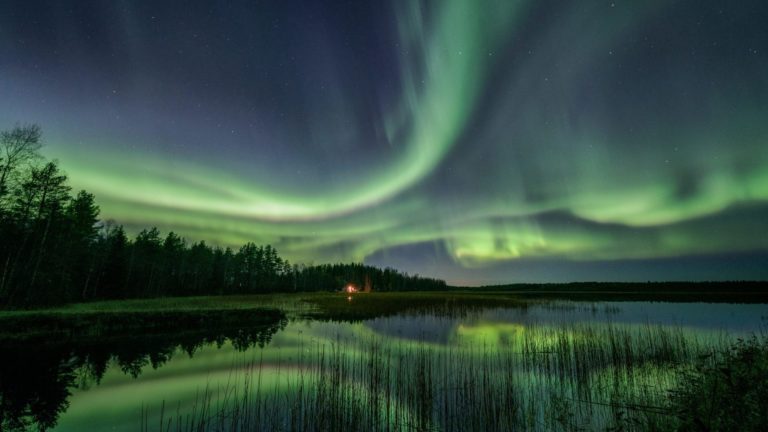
x: 537, y: 365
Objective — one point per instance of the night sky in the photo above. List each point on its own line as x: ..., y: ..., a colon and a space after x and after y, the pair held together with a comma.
x: 478, y: 141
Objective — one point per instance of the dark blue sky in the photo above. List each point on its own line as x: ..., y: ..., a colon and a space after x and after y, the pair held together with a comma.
x: 481, y: 142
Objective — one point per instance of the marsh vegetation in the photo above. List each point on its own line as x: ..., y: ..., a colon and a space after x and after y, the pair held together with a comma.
x: 574, y: 377
x: 415, y: 361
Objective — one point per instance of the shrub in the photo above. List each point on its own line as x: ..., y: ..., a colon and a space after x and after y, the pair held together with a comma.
x: 725, y: 391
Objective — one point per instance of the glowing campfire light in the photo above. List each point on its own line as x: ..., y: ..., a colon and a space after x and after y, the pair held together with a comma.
x: 350, y: 289
x: 349, y: 298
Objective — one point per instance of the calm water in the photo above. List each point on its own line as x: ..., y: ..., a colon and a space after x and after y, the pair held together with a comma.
x: 127, y: 384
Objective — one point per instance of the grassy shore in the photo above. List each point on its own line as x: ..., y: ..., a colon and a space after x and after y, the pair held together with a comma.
x: 741, y: 292
x: 290, y: 302
x: 18, y: 324
x: 340, y: 306
x: 76, y: 318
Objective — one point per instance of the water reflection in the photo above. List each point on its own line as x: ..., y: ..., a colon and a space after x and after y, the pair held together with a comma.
x: 418, y: 365
x: 37, y: 378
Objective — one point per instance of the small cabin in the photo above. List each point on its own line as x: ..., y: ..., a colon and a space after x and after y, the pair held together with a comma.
x: 353, y: 288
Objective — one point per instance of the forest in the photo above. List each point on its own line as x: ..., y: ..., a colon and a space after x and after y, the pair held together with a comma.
x: 54, y: 248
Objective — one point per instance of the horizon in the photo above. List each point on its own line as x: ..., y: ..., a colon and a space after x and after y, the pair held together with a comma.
x: 518, y: 142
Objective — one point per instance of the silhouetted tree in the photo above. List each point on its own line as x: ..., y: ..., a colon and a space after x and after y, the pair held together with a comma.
x: 17, y: 147
x: 82, y: 215
x: 54, y: 249
x: 114, y: 250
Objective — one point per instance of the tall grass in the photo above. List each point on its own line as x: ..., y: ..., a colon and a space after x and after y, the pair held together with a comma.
x: 539, y: 377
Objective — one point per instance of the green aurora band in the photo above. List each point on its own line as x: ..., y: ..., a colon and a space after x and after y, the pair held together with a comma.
x: 499, y: 146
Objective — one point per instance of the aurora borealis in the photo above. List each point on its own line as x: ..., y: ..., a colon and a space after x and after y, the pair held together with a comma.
x: 476, y: 141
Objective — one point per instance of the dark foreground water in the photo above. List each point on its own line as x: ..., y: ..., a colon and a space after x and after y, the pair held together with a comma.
x: 555, y: 365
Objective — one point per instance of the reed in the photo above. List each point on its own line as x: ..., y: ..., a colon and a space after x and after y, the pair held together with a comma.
x: 581, y: 376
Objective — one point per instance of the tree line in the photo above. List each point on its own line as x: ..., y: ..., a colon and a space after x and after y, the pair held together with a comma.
x: 54, y: 248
